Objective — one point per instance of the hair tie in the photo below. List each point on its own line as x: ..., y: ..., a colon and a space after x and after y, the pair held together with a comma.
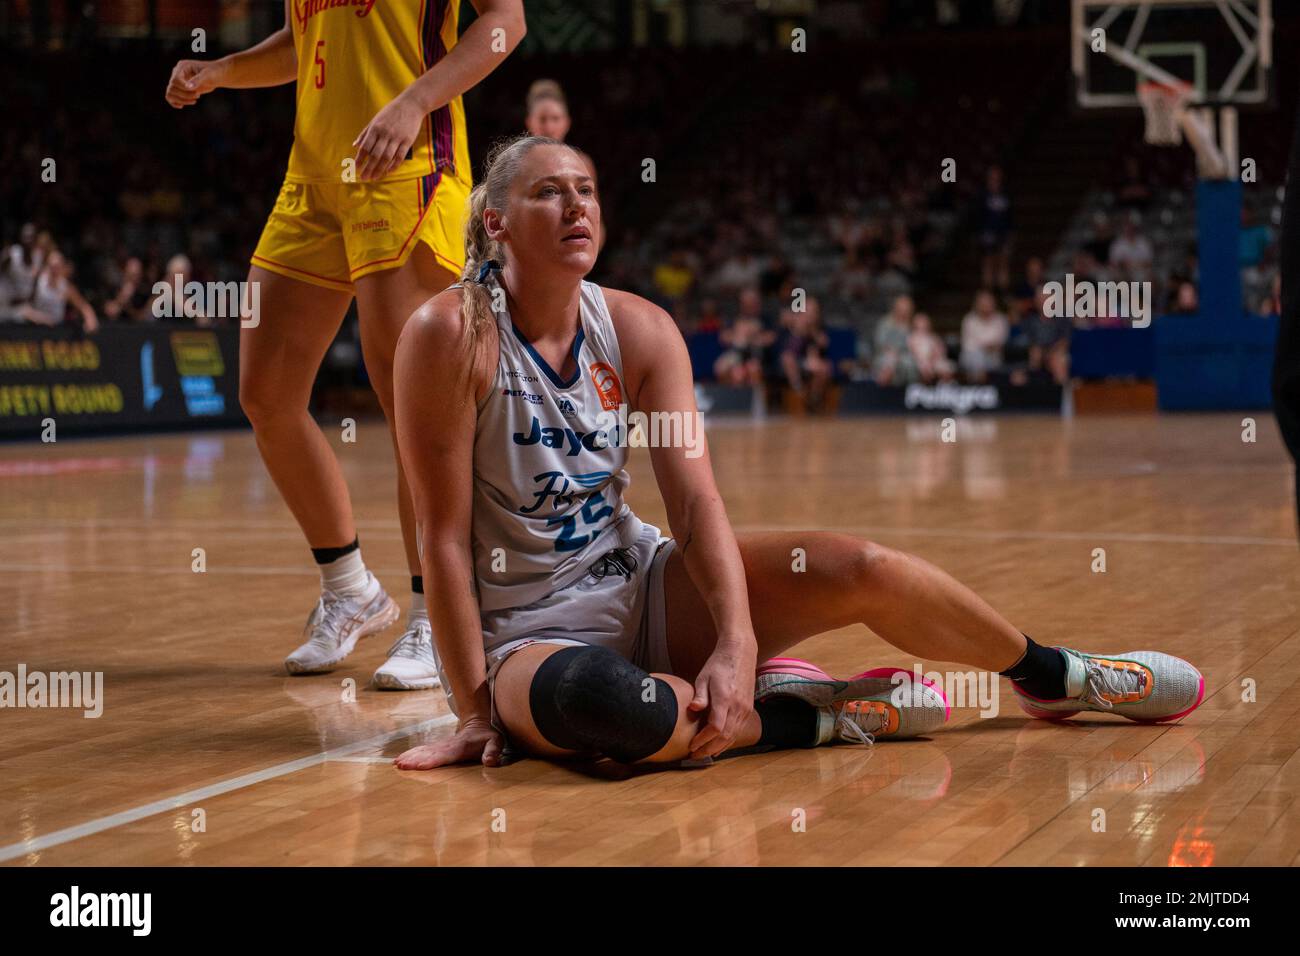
x: 489, y: 266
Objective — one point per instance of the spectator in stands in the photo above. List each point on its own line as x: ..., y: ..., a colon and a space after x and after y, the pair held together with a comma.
x: 132, y: 298
x: 1253, y: 240
x: 746, y: 341
x: 893, y: 282
x: 749, y: 304
x: 1103, y: 234
x: 1030, y: 284
x: 901, y: 257
x: 803, y: 355
x: 1133, y: 191
x: 19, y: 267
x: 929, y: 354
x: 52, y: 295
x: 177, y: 274
x: 1256, y: 280
x: 995, y: 231
x: 1272, y: 303
x: 674, y: 278
x: 1185, y: 300
x: 892, y: 362
x: 984, y: 333
x: 740, y: 271
x: 852, y: 281
x: 547, y: 111
x: 873, y: 245
x: 1188, y: 271
x: 708, y: 319
x: 1049, y: 343
x: 847, y: 229
x: 775, y: 279
x: 1084, y: 268
x: 1131, y: 254
x: 1015, y: 354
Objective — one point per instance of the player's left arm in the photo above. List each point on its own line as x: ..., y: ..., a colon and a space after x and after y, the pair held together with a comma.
x: 383, y: 144
x: 658, y: 379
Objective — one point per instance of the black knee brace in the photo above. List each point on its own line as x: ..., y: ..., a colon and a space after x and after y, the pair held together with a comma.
x: 591, y: 699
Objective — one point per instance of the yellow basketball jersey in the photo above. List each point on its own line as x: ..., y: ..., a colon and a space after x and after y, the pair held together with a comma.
x: 354, y: 57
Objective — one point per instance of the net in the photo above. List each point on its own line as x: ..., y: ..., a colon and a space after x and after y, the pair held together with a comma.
x: 1163, y: 105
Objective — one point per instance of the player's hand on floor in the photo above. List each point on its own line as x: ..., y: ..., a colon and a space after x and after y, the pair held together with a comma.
x: 383, y: 144
x: 474, y: 741
x: 725, y: 689
x: 190, y: 79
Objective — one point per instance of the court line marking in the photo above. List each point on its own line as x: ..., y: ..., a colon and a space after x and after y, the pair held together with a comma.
x: 1092, y: 537
x: 990, y: 533
x: 99, y: 825
x: 182, y: 568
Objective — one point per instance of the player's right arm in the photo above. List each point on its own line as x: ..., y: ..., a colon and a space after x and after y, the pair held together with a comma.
x: 436, y: 415
x: 273, y: 62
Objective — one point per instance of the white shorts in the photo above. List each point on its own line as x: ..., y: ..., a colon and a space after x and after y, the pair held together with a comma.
x: 618, y: 604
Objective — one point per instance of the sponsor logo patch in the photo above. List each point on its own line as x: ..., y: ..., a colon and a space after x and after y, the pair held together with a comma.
x: 607, y: 385
x: 529, y: 397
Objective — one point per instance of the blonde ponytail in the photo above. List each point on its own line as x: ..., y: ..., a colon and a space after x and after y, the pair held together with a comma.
x: 476, y: 297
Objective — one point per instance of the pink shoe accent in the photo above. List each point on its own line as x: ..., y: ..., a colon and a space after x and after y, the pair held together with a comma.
x: 792, y: 665
x: 891, y: 671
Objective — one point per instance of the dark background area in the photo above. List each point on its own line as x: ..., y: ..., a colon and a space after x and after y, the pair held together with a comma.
x: 775, y: 170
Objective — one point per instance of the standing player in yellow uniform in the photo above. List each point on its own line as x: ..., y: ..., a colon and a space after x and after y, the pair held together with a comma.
x: 373, y: 207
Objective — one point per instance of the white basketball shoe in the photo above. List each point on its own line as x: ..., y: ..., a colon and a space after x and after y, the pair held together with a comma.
x: 411, y: 663
x: 1145, y: 686
x: 337, y: 623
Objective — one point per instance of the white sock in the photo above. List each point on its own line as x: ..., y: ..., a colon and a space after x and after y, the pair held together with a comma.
x: 419, y: 611
x: 346, y: 576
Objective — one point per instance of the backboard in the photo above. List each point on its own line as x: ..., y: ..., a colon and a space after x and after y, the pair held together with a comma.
x: 1222, y: 47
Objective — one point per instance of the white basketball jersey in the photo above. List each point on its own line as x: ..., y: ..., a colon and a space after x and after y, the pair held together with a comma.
x: 549, y: 463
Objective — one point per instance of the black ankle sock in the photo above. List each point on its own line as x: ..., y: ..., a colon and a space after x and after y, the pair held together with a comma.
x: 417, y: 584
x: 787, y: 723
x: 326, y: 555
x: 1040, y: 673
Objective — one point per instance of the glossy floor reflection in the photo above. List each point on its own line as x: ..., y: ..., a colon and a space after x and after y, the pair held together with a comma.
x: 206, y: 753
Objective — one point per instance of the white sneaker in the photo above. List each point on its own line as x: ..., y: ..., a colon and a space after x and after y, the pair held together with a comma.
x: 411, y: 664
x: 336, y: 624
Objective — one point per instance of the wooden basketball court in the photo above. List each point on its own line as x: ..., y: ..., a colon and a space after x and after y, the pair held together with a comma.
x: 207, y: 753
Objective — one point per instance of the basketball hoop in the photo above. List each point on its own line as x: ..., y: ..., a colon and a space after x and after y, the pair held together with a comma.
x: 1163, y: 105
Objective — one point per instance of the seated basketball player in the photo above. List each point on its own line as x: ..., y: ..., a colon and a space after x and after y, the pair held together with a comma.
x: 564, y: 624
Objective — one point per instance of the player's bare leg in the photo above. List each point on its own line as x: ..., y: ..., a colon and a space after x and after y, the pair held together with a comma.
x: 385, y: 300
x: 278, y: 362
x: 845, y: 580
x: 924, y: 611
